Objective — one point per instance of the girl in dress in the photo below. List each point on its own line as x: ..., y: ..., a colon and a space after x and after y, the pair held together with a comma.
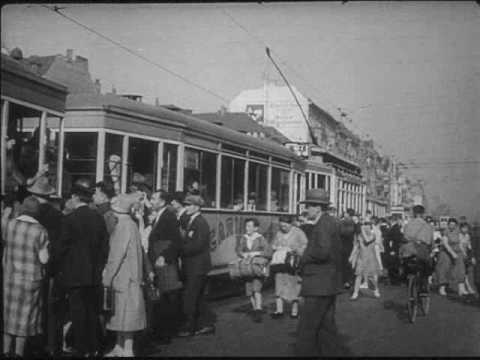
x: 466, y: 247
x: 364, y: 259
x: 253, y: 244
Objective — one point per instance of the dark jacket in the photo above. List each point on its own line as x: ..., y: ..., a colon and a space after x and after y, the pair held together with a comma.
x: 393, y: 240
x: 164, y: 239
x: 83, y: 249
x: 51, y: 219
x: 196, y: 248
x: 347, y: 229
x: 321, y: 263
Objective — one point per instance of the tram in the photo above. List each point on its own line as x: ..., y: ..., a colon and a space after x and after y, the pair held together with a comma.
x: 33, y: 109
x: 110, y: 136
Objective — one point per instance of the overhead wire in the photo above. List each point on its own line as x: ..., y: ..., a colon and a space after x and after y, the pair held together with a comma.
x: 57, y: 10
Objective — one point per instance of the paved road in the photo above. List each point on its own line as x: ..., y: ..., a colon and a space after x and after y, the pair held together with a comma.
x: 369, y: 327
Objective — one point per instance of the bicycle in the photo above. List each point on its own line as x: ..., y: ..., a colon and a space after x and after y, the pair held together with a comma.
x: 418, y: 293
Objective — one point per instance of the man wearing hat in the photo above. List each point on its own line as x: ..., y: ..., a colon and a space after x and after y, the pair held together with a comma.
x: 82, y: 256
x: 419, y: 236
x: 321, y: 272
x: 51, y: 219
x: 196, y: 264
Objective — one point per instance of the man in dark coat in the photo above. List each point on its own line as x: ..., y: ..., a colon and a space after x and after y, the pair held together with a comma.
x: 321, y: 272
x: 163, y: 251
x: 54, y: 296
x: 196, y: 265
x: 392, y: 246
x: 82, y: 255
x: 104, y: 192
x: 347, y: 229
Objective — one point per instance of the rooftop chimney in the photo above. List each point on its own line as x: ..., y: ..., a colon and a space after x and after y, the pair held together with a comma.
x: 98, y: 86
x: 69, y: 55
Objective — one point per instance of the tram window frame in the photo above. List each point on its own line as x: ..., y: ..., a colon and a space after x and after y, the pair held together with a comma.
x: 169, y: 174
x: 233, y: 149
x: 279, y: 188
x: 260, y: 198
x: 206, y: 178
x: 229, y: 200
x: 255, y: 154
x: 111, y: 164
x: 140, y: 142
x: 92, y: 160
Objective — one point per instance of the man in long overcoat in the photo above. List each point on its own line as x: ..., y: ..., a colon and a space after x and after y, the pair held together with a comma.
x: 347, y: 229
x: 82, y: 255
x: 321, y: 272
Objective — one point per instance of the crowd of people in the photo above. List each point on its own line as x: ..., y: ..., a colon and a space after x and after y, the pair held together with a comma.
x: 74, y: 268
x: 138, y: 262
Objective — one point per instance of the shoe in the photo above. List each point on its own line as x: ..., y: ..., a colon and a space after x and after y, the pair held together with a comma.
x: 442, y: 292
x: 347, y: 285
x: 185, y: 333
x: 354, y: 297
x: 115, y: 352
x: 364, y: 286
x: 257, y: 316
x: 206, y: 330
x: 128, y: 354
x: 376, y: 293
x: 293, y: 316
x: 277, y: 315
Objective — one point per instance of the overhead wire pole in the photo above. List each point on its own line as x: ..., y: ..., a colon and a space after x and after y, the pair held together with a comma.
x: 57, y: 9
x: 309, y: 126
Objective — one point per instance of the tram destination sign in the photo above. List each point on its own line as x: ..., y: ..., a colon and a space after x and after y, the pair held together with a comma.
x: 300, y: 149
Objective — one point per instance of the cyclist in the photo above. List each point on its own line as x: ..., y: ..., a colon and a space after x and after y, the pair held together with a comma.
x: 419, y: 240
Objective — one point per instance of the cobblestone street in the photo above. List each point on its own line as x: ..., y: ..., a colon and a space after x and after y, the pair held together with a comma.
x: 369, y: 326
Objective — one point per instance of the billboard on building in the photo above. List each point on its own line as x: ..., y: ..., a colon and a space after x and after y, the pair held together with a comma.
x: 255, y: 112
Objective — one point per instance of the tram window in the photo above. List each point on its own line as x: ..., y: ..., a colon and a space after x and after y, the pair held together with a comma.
x: 232, y: 186
x: 113, y: 160
x: 142, y: 163
x: 299, y: 186
x: 234, y: 149
x: 279, y: 196
x: 321, y: 181
x: 257, y: 186
x: 80, y: 157
x: 23, y: 146
x: 200, y: 173
x: 307, y: 181
x: 169, y: 169
x: 258, y: 155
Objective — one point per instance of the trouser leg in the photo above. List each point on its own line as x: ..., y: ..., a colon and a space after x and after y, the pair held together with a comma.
x: 78, y: 313
x: 308, y: 327
x: 194, y: 306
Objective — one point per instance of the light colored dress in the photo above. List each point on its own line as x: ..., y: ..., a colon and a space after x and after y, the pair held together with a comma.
x: 124, y: 272
x: 367, y: 264
x: 457, y: 270
x: 288, y: 286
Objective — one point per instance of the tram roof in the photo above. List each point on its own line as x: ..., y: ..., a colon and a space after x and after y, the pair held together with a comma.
x: 21, y: 83
x: 187, y: 123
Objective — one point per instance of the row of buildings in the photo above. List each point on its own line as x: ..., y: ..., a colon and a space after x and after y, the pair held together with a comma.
x: 350, y: 168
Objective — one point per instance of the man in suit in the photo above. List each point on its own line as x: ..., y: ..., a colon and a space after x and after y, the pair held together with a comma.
x: 82, y: 254
x: 196, y: 265
x: 392, y: 246
x: 321, y: 272
x: 163, y: 251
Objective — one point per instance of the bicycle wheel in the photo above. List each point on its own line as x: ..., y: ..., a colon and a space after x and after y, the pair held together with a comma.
x: 412, y: 298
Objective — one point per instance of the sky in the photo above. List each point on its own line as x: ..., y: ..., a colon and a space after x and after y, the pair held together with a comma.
x: 407, y: 73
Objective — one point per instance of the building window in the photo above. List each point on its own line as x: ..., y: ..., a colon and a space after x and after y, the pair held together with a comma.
x: 279, y: 195
x: 200, y: 173
x: 169, y: 169
x: 232, y: 184
x: 142, y: 162
x: 80, y: 157
x: 112, y: 171
x: 257, y: 186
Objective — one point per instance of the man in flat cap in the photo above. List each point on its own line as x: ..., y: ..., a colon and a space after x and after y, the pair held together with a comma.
x: 196, y: 264
x: 321, y: 272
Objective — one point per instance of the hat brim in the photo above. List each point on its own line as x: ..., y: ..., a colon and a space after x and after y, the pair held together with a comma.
x: 33, y: 192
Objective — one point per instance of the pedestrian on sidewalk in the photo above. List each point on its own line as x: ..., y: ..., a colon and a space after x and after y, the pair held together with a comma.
x: 124, y: 273
x: 469, y: 260
x: 457, y: 270
x: 321, y: 272
x: 290, y: 239
x: 347, y: 229
x: 24, y: 268
x: 251, y: 244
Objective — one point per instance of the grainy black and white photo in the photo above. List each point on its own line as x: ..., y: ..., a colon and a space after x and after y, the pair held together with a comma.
x: 248, y: 179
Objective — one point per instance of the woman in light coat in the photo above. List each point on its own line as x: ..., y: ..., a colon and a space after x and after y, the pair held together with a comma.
x: 124, y: 272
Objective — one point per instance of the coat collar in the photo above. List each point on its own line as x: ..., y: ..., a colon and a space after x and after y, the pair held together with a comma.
x: 27, y: 218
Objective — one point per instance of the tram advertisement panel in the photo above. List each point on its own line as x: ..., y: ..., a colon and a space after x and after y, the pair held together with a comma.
x: 227, y: 228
